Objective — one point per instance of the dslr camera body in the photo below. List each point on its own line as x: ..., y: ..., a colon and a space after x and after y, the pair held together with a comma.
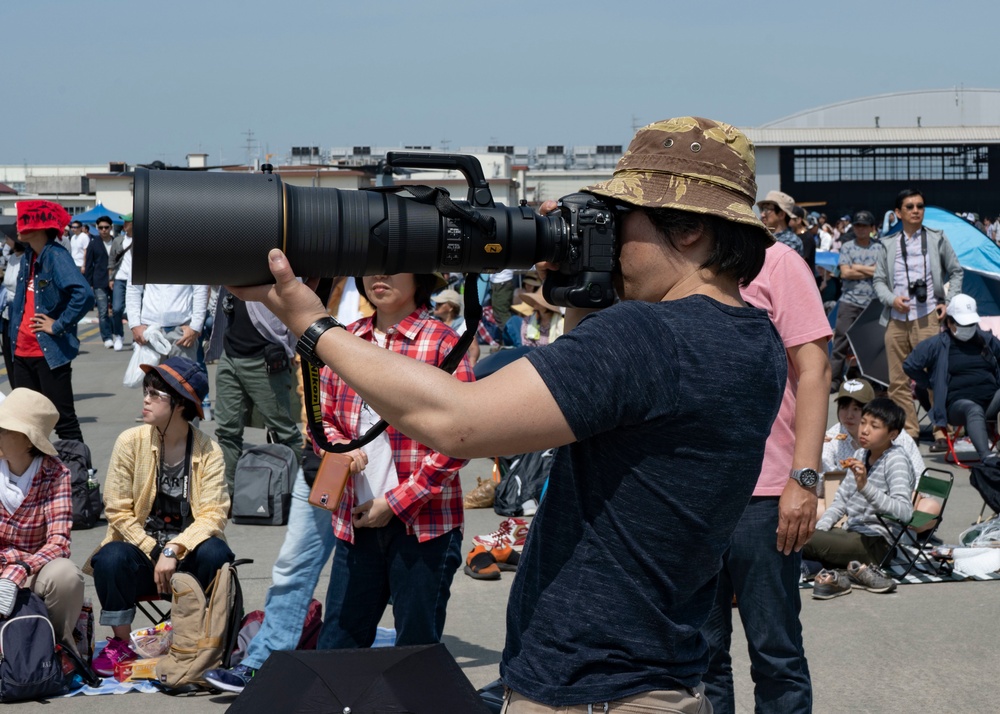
x: 918, y: 289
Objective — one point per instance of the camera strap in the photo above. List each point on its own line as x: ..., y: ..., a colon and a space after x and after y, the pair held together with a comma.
x: 450, y: 362
x: 923, y: 253
x: 441, y: 200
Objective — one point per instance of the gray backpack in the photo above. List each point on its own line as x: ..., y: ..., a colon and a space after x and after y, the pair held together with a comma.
x: 262, y: 485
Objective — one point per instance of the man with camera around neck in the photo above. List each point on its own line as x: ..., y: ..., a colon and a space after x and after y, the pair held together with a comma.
x: 910, y: 279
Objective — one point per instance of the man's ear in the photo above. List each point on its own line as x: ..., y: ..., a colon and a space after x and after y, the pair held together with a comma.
x: 893, y: 433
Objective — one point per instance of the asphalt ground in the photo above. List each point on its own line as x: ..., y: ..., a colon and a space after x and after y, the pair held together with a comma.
x: 929, y: 647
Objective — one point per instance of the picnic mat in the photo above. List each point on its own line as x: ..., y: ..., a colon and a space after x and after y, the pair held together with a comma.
x: 920, y: 574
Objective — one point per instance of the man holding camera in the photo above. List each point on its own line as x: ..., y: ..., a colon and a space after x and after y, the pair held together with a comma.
x: 645, y: 497
x: 910, y: 279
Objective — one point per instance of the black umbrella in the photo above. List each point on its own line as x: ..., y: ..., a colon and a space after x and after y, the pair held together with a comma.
x: 423, y: 679
x: 867, y: 338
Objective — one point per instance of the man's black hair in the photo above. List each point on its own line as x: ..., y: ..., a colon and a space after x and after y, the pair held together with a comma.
x: 905, y: 194
x: 886, y: 410
x: 425, y: 284
x: 738, y: 250
x: 105, y: 219
x: 52, y: 233
x: 154, y: 380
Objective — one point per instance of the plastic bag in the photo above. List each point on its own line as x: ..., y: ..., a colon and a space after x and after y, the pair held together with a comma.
x: 153, y: 641
x: 156, y: 348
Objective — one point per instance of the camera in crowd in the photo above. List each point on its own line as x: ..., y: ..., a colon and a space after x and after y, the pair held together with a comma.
x: 918, y: 289
x: 217, y: 228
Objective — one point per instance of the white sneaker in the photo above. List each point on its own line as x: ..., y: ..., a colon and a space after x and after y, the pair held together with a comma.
x: 117, y: 344
x: 109, y: 344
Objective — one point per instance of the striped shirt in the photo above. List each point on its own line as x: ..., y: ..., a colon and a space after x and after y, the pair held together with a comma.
x: 39, y: 531
x: 428, y: 498
x: 889, y: 491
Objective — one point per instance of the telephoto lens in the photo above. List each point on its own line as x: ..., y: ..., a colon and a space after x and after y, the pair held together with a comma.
x: 216, y: 228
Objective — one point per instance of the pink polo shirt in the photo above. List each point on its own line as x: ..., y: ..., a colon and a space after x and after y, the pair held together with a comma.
x: 786, y: 288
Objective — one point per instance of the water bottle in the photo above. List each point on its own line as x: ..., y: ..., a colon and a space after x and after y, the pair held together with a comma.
x: 206, y: 406
x: 92, y: 482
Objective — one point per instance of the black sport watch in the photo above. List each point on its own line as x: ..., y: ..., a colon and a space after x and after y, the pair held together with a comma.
x: 807, y: 478
x: 306, y: 346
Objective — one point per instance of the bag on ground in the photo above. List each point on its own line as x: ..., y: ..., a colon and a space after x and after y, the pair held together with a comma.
x: 205, y: 628
x: 522, y: 482
x: 86, y: 490
x: 985, y: 478
x: 30, y: 666
x: 262, y: 485
x: 254, y: 621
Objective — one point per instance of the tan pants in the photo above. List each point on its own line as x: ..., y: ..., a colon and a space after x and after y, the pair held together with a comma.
x: 664, y: 700
x: 900, y: 339
x: 60, y: 585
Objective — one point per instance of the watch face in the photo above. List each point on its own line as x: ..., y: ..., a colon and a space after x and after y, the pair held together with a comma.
x: 808, y: 478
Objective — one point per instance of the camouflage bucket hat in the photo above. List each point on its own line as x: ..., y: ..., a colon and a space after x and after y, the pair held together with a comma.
x: 690, y: 164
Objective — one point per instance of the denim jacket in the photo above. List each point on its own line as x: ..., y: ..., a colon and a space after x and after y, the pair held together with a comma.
x: 62, y: 293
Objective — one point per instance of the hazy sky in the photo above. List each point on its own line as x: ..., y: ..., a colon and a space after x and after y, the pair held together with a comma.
x: 132, y: 80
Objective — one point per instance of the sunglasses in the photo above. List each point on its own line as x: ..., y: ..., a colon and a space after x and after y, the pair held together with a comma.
x: 912, y: 206
x: 767, y: 209
x: 104, y: 228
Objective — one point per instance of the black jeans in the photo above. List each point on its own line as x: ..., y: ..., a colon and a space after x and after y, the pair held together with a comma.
x: 846, y: 315
x: 57, y: 384
x: 123, y: 574
x: 967, y: 413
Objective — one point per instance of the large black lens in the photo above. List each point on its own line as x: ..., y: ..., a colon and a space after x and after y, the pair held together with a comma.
x: 216, y: 228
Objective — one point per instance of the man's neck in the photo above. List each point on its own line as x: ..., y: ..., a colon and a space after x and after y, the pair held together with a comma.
x: 176, y: 434
x: 910, y: 230
x: 876, y: 454
x: 37, y: 244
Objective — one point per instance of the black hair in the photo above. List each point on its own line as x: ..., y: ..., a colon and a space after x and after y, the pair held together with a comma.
x: 105, y: 219
x: 905, y: 194
x: 886, y: 410
x: 843, y: 402
x: 154, y: 380
x: 52, y: 233
x: 18, y: 247
x: 737, y: 249
x: 425, y: 285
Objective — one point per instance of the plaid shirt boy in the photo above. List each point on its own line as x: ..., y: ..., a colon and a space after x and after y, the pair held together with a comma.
x: 428, y: 498
x: 39, y: 531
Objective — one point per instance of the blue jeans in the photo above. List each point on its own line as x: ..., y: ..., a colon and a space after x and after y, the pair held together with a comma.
x: 123, y: 574
x: 103, y: 318
x: 118, y: 308
x: 766, y: 585
x: 308, y: 543
x: 382, y: 563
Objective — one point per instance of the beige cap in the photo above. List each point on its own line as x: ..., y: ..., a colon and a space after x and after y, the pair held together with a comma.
x: 781, y: 199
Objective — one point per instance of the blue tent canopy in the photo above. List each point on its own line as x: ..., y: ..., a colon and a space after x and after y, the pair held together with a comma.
x: 979, y: 256
x: 96, y: 212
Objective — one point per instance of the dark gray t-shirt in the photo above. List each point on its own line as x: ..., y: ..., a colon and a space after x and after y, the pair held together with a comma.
x: 671, y: 404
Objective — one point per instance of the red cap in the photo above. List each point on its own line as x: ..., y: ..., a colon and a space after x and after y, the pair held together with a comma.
x: 39, y: 215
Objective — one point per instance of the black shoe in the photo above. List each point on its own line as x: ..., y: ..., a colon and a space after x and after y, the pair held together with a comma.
x: 939, y: 446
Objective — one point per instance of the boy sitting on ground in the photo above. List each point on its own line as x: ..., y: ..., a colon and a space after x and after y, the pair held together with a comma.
x: 879, y: 481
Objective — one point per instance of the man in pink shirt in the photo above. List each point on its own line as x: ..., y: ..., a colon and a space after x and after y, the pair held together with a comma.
x: 763, y: 563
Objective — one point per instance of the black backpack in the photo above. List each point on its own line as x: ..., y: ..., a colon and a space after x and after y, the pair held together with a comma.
x: 30, y: 666
x: 87, y: 502
x: 985, y: 478
x: 522, y: 481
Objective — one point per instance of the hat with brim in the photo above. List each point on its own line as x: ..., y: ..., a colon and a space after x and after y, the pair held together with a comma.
x: 185, y: 377
x: 30, y: 413
x: 860, y: 390
x: 40, y: 216
x: 447, y: 296
x: 963, y: 310
x: 126, y: 217
x: 689, y: 164
x: 537, y: 301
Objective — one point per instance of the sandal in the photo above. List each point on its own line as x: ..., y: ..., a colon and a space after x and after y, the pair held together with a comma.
x: 481, y: 565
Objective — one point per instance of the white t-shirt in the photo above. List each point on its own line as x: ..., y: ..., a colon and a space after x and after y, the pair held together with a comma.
x: 125, y: 269
x: 379, y: 477
x: 78, y: 248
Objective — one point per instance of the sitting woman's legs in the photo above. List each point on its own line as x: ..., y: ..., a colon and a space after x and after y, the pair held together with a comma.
x: 205, y: 560
x: 60, y: 584
x: 965, y: 412
x: 122, y: 575
x: 837, y: 547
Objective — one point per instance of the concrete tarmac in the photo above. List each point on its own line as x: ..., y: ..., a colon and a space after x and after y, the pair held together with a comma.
x: 923, y: 648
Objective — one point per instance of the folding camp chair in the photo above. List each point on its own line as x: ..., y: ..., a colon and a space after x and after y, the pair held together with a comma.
x: 148, y: 605
x: 929, y: 484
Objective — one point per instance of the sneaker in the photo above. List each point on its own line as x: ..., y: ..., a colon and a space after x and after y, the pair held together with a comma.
x: 830, y: 584
x: 230, y: 680
x: 939, y: 446
x: 869, y: 577
x: 109, y: 343
x: 481, y: 565
x: 114, y: 652
x: 511, y: 532
x: 482, y: 495
x: 118, y: 343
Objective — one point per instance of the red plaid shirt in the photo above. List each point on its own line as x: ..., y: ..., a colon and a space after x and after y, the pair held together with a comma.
x: 38, y: 531
x: 428, y: 498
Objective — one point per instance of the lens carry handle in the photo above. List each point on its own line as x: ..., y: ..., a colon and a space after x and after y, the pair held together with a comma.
x: 479, y: 195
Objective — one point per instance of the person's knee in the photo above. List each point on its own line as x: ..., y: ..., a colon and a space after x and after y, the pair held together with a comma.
x: 214, y: 552
x: 111, y: 559
x: 60, y: 577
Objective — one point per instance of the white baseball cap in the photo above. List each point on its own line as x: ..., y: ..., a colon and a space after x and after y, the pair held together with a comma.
x: 962, y: 309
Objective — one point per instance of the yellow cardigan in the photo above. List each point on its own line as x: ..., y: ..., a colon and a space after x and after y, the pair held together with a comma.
x: 130, y: 490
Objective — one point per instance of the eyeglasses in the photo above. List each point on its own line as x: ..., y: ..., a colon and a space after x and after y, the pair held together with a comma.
x: 912, y: 206
x: 767, y: 209
x: 155, y: 394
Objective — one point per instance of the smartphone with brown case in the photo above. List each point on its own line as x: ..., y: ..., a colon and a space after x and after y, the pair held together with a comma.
x: 328, y: 488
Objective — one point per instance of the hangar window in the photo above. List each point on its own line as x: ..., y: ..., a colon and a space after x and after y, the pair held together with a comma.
x: 891, y: 163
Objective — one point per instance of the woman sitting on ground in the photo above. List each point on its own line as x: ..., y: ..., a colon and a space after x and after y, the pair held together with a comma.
x: 541, y: 323
x: 36, y: 513
x: 166, y: 504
